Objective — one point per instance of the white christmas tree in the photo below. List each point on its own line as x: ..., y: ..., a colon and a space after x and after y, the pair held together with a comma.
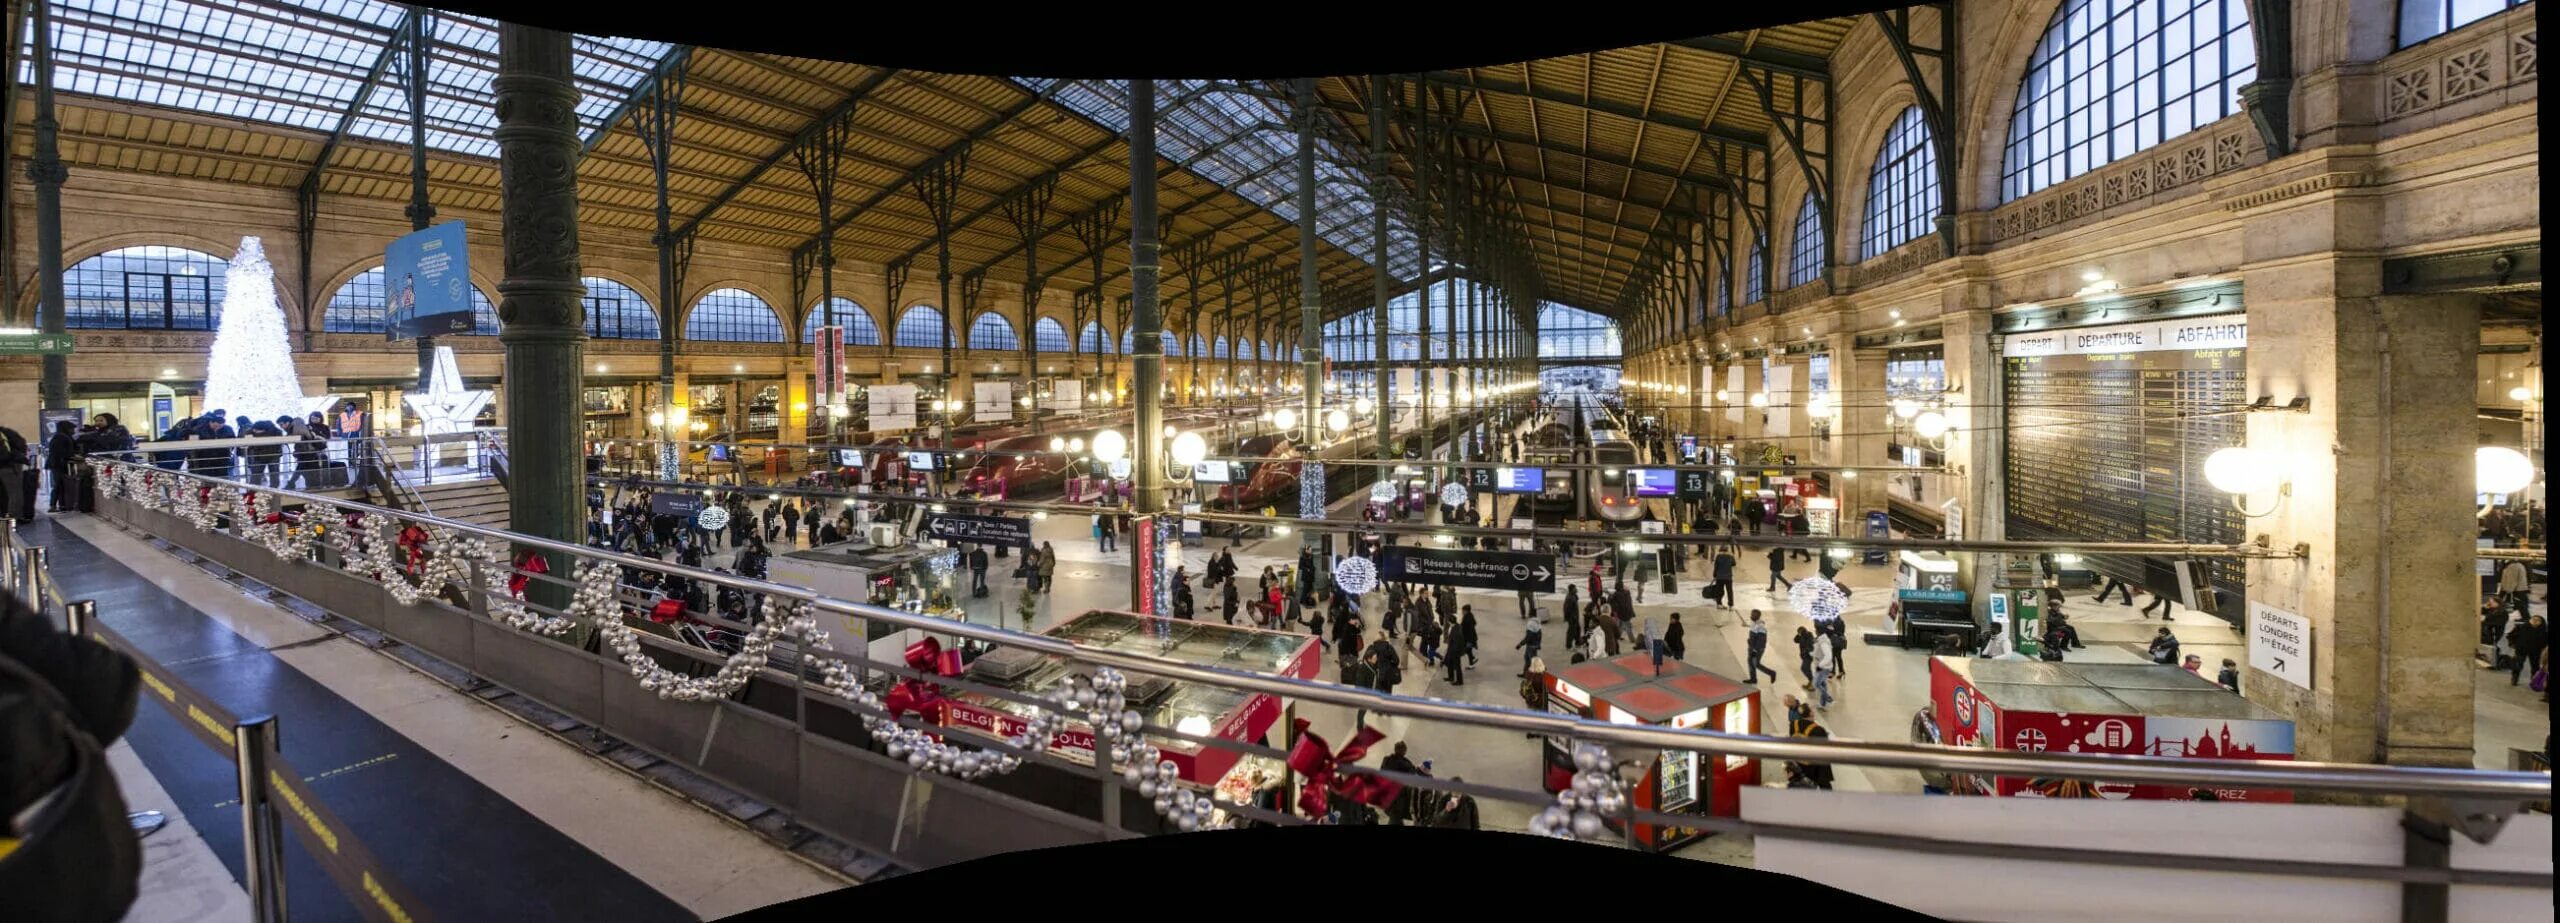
x: 250, y: 372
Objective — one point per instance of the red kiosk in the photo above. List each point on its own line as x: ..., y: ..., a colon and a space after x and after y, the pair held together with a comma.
x: 2121, y: 708
x: 1626, y: 690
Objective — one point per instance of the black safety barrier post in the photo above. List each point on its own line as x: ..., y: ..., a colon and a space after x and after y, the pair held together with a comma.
x: 262, y: 851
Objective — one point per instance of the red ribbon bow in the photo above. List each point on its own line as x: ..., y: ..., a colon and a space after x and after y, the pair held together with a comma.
x: 529, y: 563
x: 413, y: 549
x: 915, y: 695
x: 1311, y: 759
x: 249, y: 501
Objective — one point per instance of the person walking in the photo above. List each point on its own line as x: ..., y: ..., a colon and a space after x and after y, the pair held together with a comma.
x: 60, y: 450
x: 1227, y: 601
x: 977, y: 570
x: 1427, y: 631
x: 1408, y: 798
x: 1528, y: 646
x: 1754, y: 646
x: 1460, y: 647
x: 1778, y: 570
x: 1804, y: 651
x: 1725, y: 555
x: 2116, y: 585
x: 2527, y: 639
x: 1572, y: 618
x: 1048, y: 573
x: 1386, y: 664
x: 1821, y: 673
x: 2514, y: 587
x: 1835, y: 632
x: 2164, y: 647
x: 2159, y: 602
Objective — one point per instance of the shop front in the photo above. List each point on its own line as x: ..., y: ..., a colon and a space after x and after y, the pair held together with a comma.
x: 1629, y: 690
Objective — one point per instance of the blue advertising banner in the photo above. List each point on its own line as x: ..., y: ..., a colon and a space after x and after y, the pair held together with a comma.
x: 426, y: 282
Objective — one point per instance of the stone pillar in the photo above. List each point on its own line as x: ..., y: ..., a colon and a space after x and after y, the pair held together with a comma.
x: 1857, y: 427
x: 1973, y: 441
x: 538, y: 298
x: 2381, y: 495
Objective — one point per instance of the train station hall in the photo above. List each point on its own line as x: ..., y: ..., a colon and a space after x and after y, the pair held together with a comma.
x: 829, y: 465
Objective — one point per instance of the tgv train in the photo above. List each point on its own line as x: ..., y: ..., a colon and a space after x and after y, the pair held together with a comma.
x: 1602, y: 491
x: 1270, y: 480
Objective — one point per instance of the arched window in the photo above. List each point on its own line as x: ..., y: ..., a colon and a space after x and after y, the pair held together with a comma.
x: 859, y: 328
x: 2421, y: 20
x: 362, y: 306
x: 1094, y: 341
x: 1048, y: 336
x: 1902, y: 190
x: 1128, y: 340
x: 992, y: 331
x: 1172, y: 344
x: 144, y: 288
x: 1199, y: 347
x: 615, y: 312
x: 732, y: 315
x: 1219, y: 349
x: 920, y: 328
x: 1805, y: 259
x: 2113, y: 77
x: 1755, y: 273
x: 1724, y: 289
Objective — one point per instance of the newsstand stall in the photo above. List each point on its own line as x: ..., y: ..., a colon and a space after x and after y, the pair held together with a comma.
x: 1206, y: 711
x: 2140, y: 709
x: 1626, y: 690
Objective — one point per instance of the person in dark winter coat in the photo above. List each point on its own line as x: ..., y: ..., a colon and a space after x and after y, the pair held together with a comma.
x: 63, y: 700
x: 60, y: 451
x: 1757, y: 645
x: 1528, y: 646
x: 2164, y: 648
x: 1675, y: 639
x: 1457, y: 810
x: 1401, y: 810
x: 1804, y: 651
x: 1777, y: 570
x: 1386, y: 664
x: 1461, y: 646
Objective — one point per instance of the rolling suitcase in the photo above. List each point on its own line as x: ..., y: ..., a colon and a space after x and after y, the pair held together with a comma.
x: 30, y: 482
x: 84, y: 488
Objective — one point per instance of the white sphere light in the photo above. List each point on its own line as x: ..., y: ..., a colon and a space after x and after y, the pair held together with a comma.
x: 1110, y: 446
x: 1819, y: 405
x: 2520, y: 394
x: 1760, y: 399
x: 2502, y: 470
x: 1057, y: 444
x: 1337, y: 421
x: 2239, y: 470
x: 1906, y: 408
x: 1285, y: 418
x: 1362, y: 406
x: 1930, y: 424
x: 1189, y: 449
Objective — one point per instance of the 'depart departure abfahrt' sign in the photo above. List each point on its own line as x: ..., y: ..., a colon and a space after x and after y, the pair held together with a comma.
x: 979, y: 530
x: 1484, y: 570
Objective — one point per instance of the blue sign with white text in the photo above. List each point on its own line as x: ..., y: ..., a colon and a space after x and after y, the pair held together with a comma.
x: 426, y: 283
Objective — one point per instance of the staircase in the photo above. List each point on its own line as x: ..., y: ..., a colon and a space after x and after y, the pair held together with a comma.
x: 480, y: 503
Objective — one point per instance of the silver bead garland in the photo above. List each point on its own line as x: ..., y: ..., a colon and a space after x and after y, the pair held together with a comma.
x: 1582, y: 809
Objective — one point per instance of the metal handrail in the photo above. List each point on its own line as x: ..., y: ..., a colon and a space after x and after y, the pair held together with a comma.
x: 2339, y: 777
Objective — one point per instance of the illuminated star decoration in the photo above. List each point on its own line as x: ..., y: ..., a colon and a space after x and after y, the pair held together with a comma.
x: 445, y: 407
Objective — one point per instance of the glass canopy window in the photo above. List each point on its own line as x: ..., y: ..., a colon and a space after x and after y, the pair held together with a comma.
x: 1902, y: 190
x: 1243, y: 143
x: 615, y: 312
x: 992, y: 331
x: 920, y: 328
x: 1049, y: 336
x: 2421, y: 20
x: 2113, y: 77
x: 734, y: 316
x: 144, y: 288
x: 1094, y: 341
x: 302, y: 63
x: 859, y: 328
x: 1573, y: 333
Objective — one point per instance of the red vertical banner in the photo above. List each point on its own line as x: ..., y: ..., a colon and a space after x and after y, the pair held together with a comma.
x: 1143, y: 564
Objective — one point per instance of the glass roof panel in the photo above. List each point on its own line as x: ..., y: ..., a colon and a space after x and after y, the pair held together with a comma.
x: 301, y: 63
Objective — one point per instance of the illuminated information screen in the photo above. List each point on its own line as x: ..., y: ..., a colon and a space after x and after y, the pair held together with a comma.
x: 2105, y: 441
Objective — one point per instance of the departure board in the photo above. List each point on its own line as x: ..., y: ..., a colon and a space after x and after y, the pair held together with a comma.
x: 2107, y: 436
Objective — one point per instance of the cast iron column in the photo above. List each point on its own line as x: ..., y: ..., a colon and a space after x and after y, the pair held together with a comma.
x: 1146, y: 316
x: 1379, y: 262
x: 46, y: 171
x: 542, y: 321
x: 421, y: 212
x: 1310, y: 290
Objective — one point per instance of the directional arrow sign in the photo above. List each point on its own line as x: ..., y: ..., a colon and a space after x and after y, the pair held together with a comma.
x: 979, y: 530
x: 1483, y: 570
x: 36, y: 344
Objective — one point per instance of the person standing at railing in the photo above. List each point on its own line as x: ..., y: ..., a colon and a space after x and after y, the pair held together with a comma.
x: 213, y: 462
x: 263, y: 459
x: 61, y: 450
